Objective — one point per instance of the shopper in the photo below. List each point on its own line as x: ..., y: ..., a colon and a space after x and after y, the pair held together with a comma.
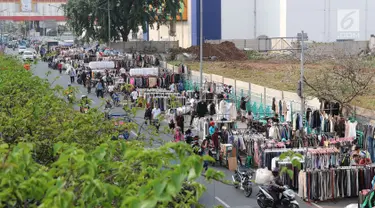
x: 178, y: 135
x: 134, y: 96
x: 99, y: 89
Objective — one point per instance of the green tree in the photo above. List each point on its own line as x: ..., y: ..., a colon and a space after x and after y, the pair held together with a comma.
x: 294, y: 158
x: 54, y: 156
x: 126, y: 15
x: 114, y: 174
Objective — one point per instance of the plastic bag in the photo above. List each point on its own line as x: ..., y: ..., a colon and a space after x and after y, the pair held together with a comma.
x: 263, y: 176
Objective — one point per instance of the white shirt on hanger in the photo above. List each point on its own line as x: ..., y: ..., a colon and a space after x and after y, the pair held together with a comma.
x: 353, y: 129
x: 288, y: 113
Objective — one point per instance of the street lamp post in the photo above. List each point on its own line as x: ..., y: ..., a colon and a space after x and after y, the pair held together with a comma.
x: 2, y: 26
x: 109, y: 25
x: 201, y: 48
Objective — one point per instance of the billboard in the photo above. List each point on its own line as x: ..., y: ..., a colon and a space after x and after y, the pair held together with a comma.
x: 26, y: 6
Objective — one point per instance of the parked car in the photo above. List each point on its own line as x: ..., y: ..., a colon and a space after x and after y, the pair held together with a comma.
x: 28, y: 55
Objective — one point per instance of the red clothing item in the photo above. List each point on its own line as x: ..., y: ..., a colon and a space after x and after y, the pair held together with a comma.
x: 215, y: 139
x: 59, y: 66
x: 364, y: 161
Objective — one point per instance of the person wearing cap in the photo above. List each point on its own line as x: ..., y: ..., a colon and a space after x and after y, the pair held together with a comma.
x: 211, y: 130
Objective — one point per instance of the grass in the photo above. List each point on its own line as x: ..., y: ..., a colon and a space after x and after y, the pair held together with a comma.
x: 279, y: 76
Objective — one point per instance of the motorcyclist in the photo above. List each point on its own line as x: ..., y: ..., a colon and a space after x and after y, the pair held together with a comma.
x: 115, y: 98
x: 276, y: 187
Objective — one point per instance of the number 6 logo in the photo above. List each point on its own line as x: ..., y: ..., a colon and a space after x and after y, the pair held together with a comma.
x: 348, y: 20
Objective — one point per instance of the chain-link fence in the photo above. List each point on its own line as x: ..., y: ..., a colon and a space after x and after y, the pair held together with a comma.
x: 260, y: 98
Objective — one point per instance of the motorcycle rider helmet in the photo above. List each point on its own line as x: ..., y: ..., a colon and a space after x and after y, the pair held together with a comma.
x: 275, y: 172
x: 83, y: 96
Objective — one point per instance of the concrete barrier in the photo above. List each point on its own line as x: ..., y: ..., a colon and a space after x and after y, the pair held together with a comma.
x: 145, y: 46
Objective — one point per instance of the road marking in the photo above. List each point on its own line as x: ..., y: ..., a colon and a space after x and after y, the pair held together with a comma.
x: 134, y: 133
x: 222, y: 202
x: 316, y: 205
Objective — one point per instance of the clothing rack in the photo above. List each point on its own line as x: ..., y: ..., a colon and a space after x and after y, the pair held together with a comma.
x: 268, y: 154
x: 335, y: 183
x: 285, y: 150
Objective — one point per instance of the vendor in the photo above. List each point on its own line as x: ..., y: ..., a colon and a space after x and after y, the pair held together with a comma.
x: 364, y: 158
x: 355, y: 159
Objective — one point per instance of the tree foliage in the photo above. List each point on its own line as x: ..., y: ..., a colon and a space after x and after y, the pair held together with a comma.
x: 126, y: 15
x: 31, y: 111
x: 54, y: 156
x: 295, y: 160
x: 115, y: 174
x: 342, y: 80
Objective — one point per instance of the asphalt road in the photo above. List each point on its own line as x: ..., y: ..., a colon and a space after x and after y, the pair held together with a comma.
x: 217, y: 193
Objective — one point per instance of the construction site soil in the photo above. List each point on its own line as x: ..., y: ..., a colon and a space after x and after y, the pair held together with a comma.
x: 225, y: 51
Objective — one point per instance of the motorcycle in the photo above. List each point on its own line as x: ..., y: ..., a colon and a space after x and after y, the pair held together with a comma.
x: 116, y: 100
x: 242, y: 179
x: 265, y: 199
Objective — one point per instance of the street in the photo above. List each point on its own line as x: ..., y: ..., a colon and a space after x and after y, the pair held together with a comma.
x: 217, y: 193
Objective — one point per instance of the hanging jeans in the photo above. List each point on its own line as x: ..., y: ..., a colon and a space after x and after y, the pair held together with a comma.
x: 370, y: 147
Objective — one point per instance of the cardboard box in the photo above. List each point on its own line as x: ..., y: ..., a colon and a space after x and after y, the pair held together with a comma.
x: 232, y: 163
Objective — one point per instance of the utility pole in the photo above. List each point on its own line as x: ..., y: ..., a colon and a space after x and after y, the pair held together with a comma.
x: 255, y: 18
x: 302, y: 37
x: 302, y: 72
x: 109, y: 24
x: 201, y: 49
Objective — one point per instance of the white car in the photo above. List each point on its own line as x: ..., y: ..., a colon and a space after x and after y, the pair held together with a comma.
x: 28, y: 55
x: 21, y: 49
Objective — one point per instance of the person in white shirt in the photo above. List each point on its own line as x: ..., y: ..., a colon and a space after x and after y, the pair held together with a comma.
x: 111, y: 88
x: 155, y: 117
x: 134, y: 96
x: 123, y: 73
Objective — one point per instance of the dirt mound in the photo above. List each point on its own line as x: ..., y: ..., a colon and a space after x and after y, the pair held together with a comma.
x: 225, y: 51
